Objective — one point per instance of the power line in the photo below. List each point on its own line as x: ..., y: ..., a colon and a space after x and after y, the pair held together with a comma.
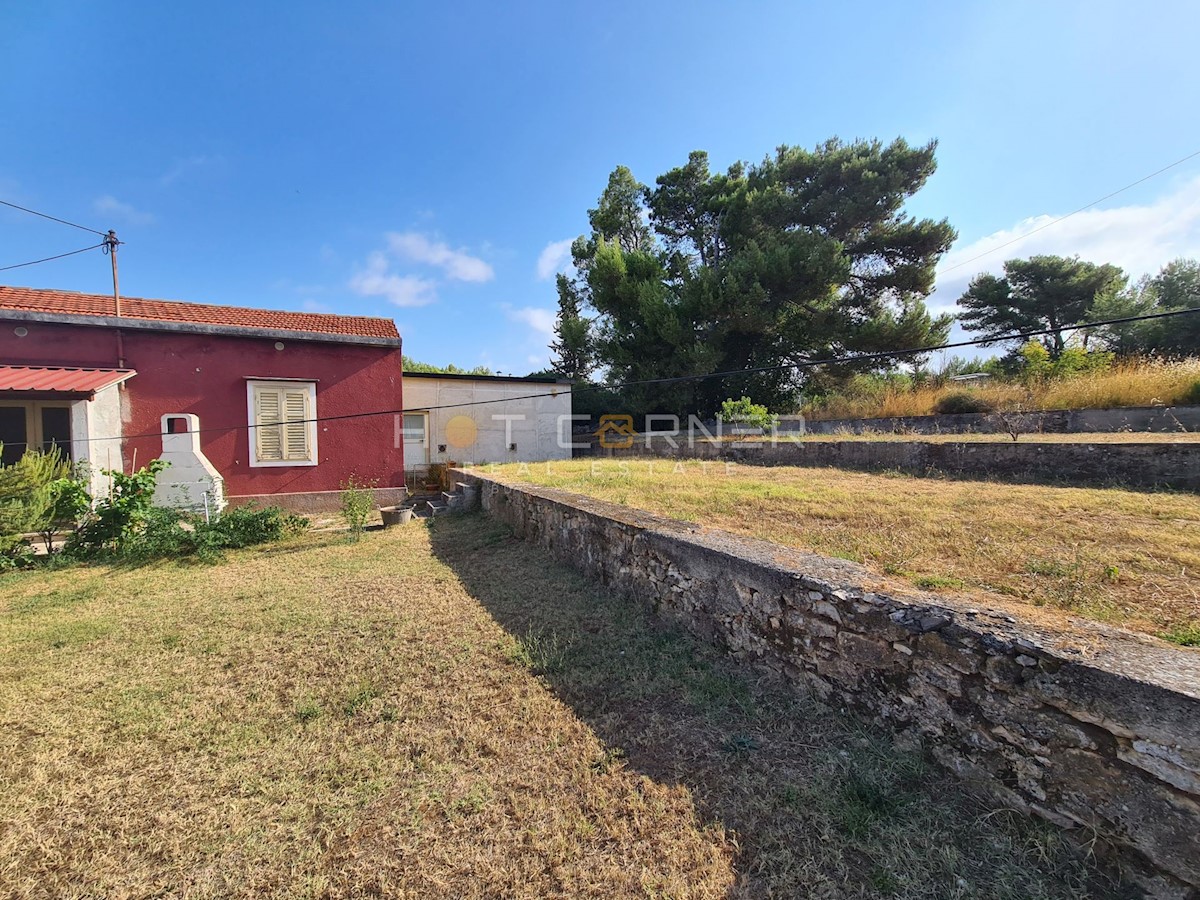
x: 1054, y: 222
x: 34, y: 212
x: 680, y: 379
x: 49, y: 258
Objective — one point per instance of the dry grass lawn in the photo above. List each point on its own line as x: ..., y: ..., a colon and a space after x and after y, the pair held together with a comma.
x: 440, y: 711
x: 1121, y: 556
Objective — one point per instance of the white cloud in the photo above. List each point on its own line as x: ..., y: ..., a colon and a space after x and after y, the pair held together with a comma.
x: 540, y: 320
x: 377, y: 280
x: 108, y: 205
x: 556, y: 257
x: 185, y: 166
x: 457, y: 264
x: 1138, y: 238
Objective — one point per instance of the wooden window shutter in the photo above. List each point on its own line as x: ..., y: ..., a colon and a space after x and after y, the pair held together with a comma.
x: 268, y: 414
x: 296, y: 431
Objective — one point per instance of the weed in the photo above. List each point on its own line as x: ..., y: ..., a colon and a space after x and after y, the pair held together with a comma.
x: 1187, y: 635
x: 541, y: 652
x: 308, y: 711
x: 358, y: 502
x: 360, y: 696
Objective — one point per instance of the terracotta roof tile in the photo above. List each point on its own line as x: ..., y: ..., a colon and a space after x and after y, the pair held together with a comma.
x: 73, y: 304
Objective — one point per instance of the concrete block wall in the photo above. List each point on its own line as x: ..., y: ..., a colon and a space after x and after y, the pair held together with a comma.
x: 1096, y: 729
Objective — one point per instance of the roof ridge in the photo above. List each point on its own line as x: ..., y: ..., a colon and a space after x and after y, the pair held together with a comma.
x: 127, y: 298
x: 148, y: 311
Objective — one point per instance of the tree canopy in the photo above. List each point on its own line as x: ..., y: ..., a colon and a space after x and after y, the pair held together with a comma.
x: 806, y: 255
x: 1176, y: 286
x: 1043, y: 292
x: 411, y: 365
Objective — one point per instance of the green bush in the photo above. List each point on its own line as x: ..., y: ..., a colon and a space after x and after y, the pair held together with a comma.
x: 249, y: 525
x: 173, y: 533
x: 1193, y: 394
x: 747, y: 413
x: 961, y: 402
x: 358, y: 502
x: 119, y: 517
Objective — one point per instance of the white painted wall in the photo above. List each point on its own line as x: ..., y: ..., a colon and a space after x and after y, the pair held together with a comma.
x: 534, y: 428
x: 99, y: 417
x: 189, y: 481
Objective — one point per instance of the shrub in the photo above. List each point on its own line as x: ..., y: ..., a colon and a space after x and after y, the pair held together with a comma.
x: 118, y: 517
x: 1192, y: 396
x: 175, y: 533
x: 28, y: 501
x: 246, y: 526
x: 747, y: 413
x: 70, y: 504
x: 358, y: 502
x: 961, y: 402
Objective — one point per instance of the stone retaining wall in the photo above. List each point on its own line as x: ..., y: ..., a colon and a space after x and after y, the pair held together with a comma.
x: 1141, y: 465
x: 1051, y: 421
x: 1090, y: 729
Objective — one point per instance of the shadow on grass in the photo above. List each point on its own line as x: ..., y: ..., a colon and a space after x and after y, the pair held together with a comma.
x: 819, y: 804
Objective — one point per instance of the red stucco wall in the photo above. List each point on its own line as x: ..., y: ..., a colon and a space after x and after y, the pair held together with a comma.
x: 206, y: 375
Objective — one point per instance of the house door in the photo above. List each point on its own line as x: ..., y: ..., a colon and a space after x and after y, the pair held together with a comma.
x: 416, y: 441
x: 34, y: 426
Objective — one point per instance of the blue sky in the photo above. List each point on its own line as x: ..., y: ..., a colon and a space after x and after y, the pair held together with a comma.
x: 420, y: 162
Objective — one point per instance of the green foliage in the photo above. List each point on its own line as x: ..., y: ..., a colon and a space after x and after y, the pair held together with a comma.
x: 1193, y: 394
x: 961, y: 402
x: 1175, y: 287
x: 1184, y: 635
x: 358, y: 502
x: 1078, y: 361
x: 70, y: 504
x: 28, y: 501
x: 118, y: 517
x: 1043, y: 292
x: 807, y: 254
x: 1038, y: 363
x: 747, y: 413
x: 172, y: 533
x: 574, y: 343
x: 246, y: 526
x: 408, y: 364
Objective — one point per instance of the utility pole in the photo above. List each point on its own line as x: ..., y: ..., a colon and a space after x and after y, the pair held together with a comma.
x: 110, y: 247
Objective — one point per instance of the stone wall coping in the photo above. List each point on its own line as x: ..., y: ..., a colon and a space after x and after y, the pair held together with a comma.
x: 1086, y: 643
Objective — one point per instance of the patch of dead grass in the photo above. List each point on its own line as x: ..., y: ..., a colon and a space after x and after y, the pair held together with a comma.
x: 1126, y: 557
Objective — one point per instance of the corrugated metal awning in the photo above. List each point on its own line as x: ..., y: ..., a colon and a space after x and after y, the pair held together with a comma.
x: 59, y: 379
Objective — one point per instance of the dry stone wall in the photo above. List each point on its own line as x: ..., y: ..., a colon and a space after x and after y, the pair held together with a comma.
x: 1169, y: 465
x: 1097, y: 729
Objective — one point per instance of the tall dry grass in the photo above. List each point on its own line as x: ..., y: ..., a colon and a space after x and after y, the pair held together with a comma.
x: 1141, y: 382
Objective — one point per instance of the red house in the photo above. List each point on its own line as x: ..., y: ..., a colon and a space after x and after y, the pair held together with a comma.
x: 282, y: 400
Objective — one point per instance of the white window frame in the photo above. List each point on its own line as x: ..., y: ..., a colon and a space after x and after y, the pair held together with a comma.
x: 255, y: 385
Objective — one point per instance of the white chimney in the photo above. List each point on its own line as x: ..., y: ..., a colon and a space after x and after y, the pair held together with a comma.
x: 190, y: 479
